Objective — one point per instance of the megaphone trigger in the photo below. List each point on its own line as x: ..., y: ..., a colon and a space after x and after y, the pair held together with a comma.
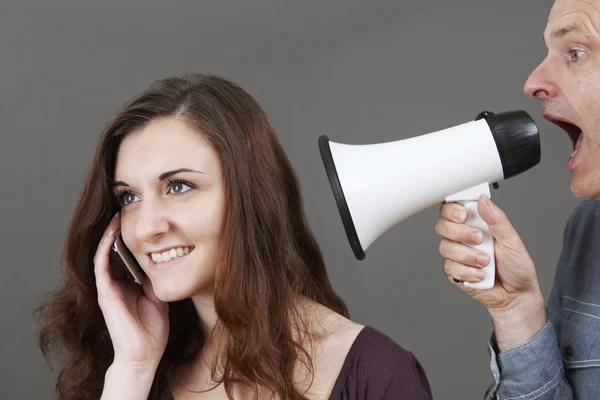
x: 468, y: 199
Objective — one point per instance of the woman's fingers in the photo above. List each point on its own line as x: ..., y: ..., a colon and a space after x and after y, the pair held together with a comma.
x: 104, y: 282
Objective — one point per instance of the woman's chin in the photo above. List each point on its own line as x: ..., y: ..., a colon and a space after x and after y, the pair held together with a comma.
x: 167, y: 292
x: 172, y: 286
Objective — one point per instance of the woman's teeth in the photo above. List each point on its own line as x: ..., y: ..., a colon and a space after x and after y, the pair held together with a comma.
x: 170, y: 254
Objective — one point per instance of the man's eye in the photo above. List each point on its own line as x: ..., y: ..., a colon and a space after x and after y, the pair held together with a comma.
x: 128, y: 198
x: 576, y: 54
x: 179, y: 187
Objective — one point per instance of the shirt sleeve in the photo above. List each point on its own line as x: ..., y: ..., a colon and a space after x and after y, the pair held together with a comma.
x: 409, y: 384
x: 535, y: 369
x: 532, y: 370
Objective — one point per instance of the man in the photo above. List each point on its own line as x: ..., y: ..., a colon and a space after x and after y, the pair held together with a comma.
x: 553, y: 355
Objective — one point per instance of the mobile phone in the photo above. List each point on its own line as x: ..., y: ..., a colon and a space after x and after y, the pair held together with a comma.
x: 133, y: 271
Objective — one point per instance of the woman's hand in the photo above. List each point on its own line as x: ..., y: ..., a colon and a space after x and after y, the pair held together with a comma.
x: 137, y: 321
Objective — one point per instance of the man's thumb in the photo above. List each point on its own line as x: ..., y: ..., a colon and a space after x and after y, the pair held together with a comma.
x: 499, y: 225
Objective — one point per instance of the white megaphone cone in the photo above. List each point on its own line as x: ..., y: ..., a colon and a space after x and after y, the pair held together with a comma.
x: 378, y: 185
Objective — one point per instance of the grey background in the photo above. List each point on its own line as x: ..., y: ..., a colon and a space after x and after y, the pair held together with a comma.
x: 358, y: 71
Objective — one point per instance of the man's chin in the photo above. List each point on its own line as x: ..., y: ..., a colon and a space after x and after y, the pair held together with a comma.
x: 585, y: 187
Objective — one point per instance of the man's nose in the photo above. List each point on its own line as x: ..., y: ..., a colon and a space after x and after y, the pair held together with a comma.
x: 541, y: 84
x: 151, y: 221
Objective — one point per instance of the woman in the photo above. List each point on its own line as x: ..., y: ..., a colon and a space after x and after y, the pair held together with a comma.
x: 235, y: 302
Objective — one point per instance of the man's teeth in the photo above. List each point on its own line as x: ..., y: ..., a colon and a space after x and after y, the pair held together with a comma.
x: 170, y: 254
x: 574, y: 152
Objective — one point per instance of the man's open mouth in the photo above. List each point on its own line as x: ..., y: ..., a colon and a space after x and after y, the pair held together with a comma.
x: 572, y: 130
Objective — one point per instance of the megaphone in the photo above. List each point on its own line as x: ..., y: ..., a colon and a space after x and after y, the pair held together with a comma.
x: 376, y: 186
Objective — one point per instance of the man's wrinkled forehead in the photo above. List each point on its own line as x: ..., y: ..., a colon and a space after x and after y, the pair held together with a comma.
x: 586, y: 11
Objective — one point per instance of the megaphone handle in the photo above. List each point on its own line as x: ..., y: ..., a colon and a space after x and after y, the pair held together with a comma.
x: 487, y: 246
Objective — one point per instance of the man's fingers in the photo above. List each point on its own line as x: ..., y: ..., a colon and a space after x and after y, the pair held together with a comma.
x: 462, y: 272
x: 453, y: 212
x: 463, y: 254
x: 458, y: 232
x: 497, y: 222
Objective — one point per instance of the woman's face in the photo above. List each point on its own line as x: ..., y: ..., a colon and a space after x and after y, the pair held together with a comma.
x: 169, y: 181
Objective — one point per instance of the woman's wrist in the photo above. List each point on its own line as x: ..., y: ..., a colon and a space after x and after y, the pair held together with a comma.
x: 128, y: 382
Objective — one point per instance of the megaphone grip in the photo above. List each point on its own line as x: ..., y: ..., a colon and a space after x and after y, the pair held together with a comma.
x: 487, y: 246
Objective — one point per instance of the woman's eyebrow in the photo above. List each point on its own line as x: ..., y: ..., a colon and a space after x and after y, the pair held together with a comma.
x: 166, y: 175
x: 162, y: 177
x: 117, y: 184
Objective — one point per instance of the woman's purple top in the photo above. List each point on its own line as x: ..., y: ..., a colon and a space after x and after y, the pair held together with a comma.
x: 376, y: 368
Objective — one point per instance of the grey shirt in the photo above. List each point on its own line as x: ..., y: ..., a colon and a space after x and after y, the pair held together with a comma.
x: 563, y: 360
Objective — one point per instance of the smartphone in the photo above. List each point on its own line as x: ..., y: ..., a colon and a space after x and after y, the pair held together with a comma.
x: 133, y: 271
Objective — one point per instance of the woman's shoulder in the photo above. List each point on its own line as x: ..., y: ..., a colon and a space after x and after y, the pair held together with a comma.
x: 363, y: 343
x: 375, y: 349
x: 378, y: 364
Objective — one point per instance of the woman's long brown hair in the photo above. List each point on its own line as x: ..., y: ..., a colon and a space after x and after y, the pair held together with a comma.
x: 268, y: 255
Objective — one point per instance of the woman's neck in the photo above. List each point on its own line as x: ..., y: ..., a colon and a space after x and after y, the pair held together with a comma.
x: 321, y: 324
x: 205, y: 308
x: 308, y: 310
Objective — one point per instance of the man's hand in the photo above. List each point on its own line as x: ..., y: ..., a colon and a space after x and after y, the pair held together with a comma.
x: 515, y: 303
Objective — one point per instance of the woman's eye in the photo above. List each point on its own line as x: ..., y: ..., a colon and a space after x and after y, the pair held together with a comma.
x: 179, y: 187
x: 128, y: 198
